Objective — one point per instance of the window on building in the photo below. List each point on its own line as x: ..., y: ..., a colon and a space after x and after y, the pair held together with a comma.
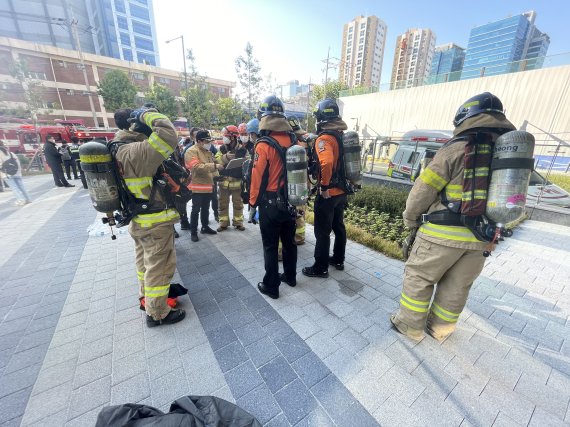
x: 361, y: 41
x: 37, y: 75
x: 70, y: 92
x: 350, y: 30
x: 358, y: 69
x: 360, y: 55
x: 361, y: 47
x: 62, y: 64
x: 141, y: 2
x: 145, y: 58
x: 120, y: 6
x: 125, y: 39
x: 138, y: 76
x: 122, y: 22
x: 140, y: 28
x: 127, y: 54
x: 362, y: 32
x: 359, y: 62
x: 144, y: 44
x: 139, y: 12
x: 163, y: 80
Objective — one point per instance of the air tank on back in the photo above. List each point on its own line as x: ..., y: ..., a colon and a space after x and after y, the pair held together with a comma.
x: 352, y: 157
x: 511, y: 167
x: 297, y: 180
x: 98, y: 166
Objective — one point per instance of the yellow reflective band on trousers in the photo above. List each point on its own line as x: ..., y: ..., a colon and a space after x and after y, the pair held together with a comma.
x: 140, y: 275
x: 230, y: 185
x: 96, y: 158
x: 453, y: 192
x: 159, y: 145
x: 148, y: 220
x: 151, y: 116
x: 156, y: 291
x: 238, y: 218
x: 137, y: 185
x: 414, y: 305
x: 432, y: 179
x: 443, y: 314
x: 449, y: 232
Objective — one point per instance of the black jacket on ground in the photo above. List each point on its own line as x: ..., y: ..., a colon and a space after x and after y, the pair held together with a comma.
x: 53, y: 156
x: 190, y: 411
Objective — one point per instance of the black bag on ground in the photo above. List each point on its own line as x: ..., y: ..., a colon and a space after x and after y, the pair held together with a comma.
x: 190, y: 411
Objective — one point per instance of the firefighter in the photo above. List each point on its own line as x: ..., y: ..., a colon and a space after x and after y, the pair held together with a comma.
x: 274, y: 222
x: 331, y: 199
x: 74, y: 149
x: 152, y: 139
x: 229, y: 186
x: 448, y: 257
x: 200, y: 161
x: 244, y: 138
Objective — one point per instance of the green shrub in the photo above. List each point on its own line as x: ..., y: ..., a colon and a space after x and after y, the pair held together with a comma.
x: 561, y: 179
x: 382, y: 199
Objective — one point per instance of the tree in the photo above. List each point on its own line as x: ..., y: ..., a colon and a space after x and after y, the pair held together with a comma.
x: 32, y: 90
x: 331, y: 89
x: 117, y: 90
x: 249, y: 75
x: 229, y: 112
x: 161, y: 96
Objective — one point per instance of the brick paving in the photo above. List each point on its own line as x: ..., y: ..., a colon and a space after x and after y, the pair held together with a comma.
x: 72, y: 339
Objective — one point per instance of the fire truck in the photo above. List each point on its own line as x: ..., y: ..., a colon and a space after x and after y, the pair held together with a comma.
x: 24, y: 138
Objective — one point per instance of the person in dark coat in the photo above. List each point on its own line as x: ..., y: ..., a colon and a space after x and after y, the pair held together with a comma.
x: 54, y: 160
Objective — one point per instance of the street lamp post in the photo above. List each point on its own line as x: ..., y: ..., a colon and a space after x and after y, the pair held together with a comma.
x: 181, y: 37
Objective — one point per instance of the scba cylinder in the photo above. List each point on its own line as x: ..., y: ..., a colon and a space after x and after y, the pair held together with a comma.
x: 352, y: 162
x: 511, y: 167
x: 98, y: 166
x: 297, y: 185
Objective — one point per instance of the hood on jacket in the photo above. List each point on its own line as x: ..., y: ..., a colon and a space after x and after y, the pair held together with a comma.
x: 129, y: 136
x: 275, y: 124
x: 484, y: 121
x: 337, y: 124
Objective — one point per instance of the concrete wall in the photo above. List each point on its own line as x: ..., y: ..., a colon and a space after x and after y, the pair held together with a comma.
x: 541, y: 96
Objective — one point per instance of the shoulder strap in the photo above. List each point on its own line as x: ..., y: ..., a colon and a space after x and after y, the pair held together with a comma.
x: 272, y: 142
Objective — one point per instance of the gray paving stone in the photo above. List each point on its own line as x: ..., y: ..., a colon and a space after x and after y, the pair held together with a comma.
x: 277, y: 373
x: 343, y: 364
x: 351, y: 340
x: 512, y: 404
x: 278, y: 329
x: 296, y: 401
x: 18, y: 380
x: 95, y: 349
x: 213, y: 321
x: 552, y: 358
x: 250, y: 333
x: 221, y: 337
x: 390, y: 414
x: 129, y: 345
x: 13, y: 405
x: 305, y: 327
x: 240, y: 317
x: 503, y: 420
x: 87, y: 419
x: 242, y: 379
x: 279, y: 421
x: 231, y: 356
x: 163, y: 363
x: 131, y: 390
x: 292, y: 347
x: 404, y: 355
x: 437, y: 382
x: 477, y: 410
x: 88, y: 372
x: 262, y: 351
x: 168, y: 388
x: 540, y: 418
x: 322, y: 344
x: 260, y: 403
x: 550, y: 399
x: 310, y: 369
x: 202, y: 370
x: 35, y: 339
x: 467, y: 375
x: 339, y: 404
x: 50, y: 402
x: 26, y: 358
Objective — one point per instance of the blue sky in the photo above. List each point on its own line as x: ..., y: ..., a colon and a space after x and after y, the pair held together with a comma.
x: 291, y: 37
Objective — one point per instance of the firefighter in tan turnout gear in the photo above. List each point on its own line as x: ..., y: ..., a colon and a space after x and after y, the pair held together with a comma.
x: 152, y: 139
x: 445, y: 254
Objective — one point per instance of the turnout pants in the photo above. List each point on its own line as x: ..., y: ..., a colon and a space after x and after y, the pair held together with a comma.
x: 274, y: 225
x: 329, y: 216
x: 453, y: 270
x: 200, y: 207
x: 237, y: 202
x: 155, y: 258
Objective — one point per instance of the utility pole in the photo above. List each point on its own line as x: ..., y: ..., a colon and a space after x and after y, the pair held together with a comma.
x: 181, y: 37
x: 81, y: 60
x: 329, y: 63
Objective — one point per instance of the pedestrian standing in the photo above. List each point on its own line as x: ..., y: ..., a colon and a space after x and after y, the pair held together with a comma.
x: 74, y: 150
x: 55, y: 162
x: 14, y: 175
x: 68, y: 162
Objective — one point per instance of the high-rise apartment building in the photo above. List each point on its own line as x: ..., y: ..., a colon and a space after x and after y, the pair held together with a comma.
x: 496, y: 48
x: 363, y: 42
x: 412, y: 58
x: 447, y: 62
x: 122, y: 29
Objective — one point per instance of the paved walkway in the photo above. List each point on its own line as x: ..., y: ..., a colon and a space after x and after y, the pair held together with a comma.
x: 72, y: 339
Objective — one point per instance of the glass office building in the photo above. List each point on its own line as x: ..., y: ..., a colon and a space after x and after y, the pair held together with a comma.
x: 447, y: 61
x: 122, y: 29
x: 493, y: 47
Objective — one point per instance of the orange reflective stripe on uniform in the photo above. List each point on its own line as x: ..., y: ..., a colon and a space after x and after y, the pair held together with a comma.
x: 443, y: 314
x: 137, y: 185
x: 156, y: 291
x: 432, y: 179
x: 460, y: 234
x: 160, y: 146
x: 199, y: 187
x: 414, y: 305
x: 148, y: 220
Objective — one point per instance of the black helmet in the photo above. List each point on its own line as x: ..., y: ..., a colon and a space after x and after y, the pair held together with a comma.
x: 485, y: 102
x: 271, y: 106
x: 326, y: 110
x: 294, y: 123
